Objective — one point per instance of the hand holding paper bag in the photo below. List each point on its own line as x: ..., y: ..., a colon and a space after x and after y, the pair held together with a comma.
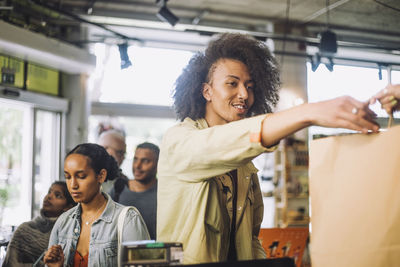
x: 341, y: 112
x: 389, y: 98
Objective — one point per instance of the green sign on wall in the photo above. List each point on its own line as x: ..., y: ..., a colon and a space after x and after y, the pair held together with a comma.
x: 11, y: 71
x: 42, y: 80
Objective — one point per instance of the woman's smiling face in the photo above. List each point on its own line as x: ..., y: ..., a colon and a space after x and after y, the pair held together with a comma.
x: 229, y: 93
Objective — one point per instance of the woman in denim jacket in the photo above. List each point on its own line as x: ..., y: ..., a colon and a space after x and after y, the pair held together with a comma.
x: 87, y: 234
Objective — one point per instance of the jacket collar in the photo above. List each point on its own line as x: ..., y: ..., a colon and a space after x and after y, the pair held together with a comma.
x: 199, y: 123
x: 107, y: 214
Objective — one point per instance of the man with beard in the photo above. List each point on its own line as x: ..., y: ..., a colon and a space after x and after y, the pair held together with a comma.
x: 141, y: 192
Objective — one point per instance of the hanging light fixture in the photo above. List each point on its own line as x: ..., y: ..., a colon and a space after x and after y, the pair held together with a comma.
x: 328, y: 42
x: 123, y: 52
x: 165, y: 14
x: 315, y: 61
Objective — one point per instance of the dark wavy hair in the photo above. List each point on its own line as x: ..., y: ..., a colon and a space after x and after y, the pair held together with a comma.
x: 67, y: 195
x: 262, y: 67
x: 98, y: 159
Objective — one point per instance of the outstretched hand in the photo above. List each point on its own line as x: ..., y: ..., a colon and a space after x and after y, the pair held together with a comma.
x: 344, y: 112
x: 54, y: 256
x: 389, y: 98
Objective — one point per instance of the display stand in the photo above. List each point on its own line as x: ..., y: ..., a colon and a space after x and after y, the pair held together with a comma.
x: 291, y: 184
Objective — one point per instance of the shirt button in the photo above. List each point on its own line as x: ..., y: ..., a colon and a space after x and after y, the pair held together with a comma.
x: 76, y: 230
x: 239, y: 208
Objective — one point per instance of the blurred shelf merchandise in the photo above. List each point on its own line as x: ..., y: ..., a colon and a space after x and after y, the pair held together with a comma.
x: 291, y: 184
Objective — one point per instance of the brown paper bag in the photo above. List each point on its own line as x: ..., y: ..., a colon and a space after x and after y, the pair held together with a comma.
x: 355, y: 200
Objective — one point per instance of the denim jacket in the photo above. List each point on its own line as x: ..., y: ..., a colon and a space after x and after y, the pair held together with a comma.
x: 103, y: 244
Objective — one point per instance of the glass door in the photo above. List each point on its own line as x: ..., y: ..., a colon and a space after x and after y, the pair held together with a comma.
x: 15, y: 162
x: 46, y: 155
x: 30, y: 155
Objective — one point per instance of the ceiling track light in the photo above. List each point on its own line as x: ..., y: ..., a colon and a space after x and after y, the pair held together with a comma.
x: 315, y: 60
x: 328, y: 44
x: 329, y: 65
x: 197, y: 19
x: 123, y: 52
x: 90, y: 6
x: 328, y: 47
x: 165, y: 14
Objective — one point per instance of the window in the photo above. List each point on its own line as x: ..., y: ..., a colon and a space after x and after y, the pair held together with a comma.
x: 149, y: 80
x: 395, y: 77
x: 358, y: 82
x: 30, y: 150
x: 15, y: 165
x: 47, y: 151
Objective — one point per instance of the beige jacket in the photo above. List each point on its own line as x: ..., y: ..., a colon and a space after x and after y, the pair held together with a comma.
x: 194, y: 193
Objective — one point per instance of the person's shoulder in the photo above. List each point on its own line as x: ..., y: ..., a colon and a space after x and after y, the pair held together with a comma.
x: 119, y: 207
x: 133, y: 212
x: 187, y: 123
x: 22, y: 228
x: 184, y: 127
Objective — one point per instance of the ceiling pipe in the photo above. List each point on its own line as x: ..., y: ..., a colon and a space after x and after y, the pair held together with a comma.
x: 78, y: 18
x: 308, y: 56
x: 102, y: 5
x: 324, y: 10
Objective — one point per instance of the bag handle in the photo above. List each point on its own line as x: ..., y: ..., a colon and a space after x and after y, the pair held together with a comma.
x: 390, y: 120
x: 36, y: 263
x: 120, y: 227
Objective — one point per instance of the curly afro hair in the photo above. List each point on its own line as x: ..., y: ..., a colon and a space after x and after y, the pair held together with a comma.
x: 262, y: 66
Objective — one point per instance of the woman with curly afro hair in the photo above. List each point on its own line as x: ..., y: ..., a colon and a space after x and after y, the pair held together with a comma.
x: 209, y: 197
x: 262, y: 67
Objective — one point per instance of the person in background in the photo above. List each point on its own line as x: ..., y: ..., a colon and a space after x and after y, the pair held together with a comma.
x: 31, y: 238
x: 141, y: 192
x: 389, y: 98
x: 86, y: 235
x: 209, y: 197
x: 114, y: 142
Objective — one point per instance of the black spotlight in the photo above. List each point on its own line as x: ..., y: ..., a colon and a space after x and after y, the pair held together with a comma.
x: 328, y: 47
x: 165, y: 14
x: 123, y: 52
x: 328, y: 44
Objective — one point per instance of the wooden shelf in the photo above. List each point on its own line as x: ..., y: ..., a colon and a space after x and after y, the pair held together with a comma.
x: 291, y: 170
x: 298, y: 168
x: 301, y: 196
